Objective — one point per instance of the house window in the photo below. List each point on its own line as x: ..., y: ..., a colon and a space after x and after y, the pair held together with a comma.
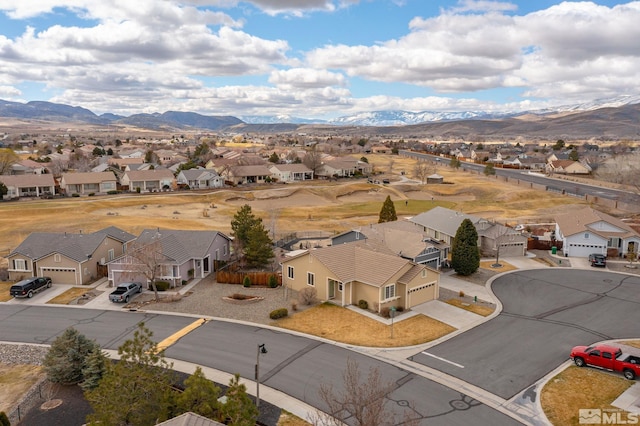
x: 19, y: 264
x: 340, y: 287
x: 424, y: 273
x: 390, y: 291
x: 224, y: 250
x: 311, y: 278
x: 290, y: 272
x: 111, y: 254
x: 56, y: 258
x: 586, y: 235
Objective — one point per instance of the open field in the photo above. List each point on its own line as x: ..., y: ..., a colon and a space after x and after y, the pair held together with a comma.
x: 318, y: 205
x: 577, y: 388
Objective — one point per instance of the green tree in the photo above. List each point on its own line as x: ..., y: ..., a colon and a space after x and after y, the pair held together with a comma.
x: 558, y: 145
x: 94, y: 368
x: 133, y: 391
x: 3, y: 190
x: 573, y: 155
x: 465, y: 255
x: 489, y: 169
x: 97, y: 151
x: 388, y: 211
x: 243, y: 221
x: 239, y: 410
x: 200, y: 396
x: 455, y: 163
x: 274, y: 158
x: 4, y: 419
x: 364, y: 160
x: 258, y: 250
x: 66, y: 358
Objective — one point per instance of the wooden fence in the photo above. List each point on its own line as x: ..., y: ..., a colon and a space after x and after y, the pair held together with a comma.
x: 257, y: 278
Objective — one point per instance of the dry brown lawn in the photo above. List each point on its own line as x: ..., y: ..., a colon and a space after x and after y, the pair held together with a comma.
x: 4, y: 291
x: 576, y: 388
x: 352, y: 328
x: 633, y: 343
x: 288, y: 419
x: 485, y: 311
x: 15, y: 380
x: 68, y: 296
x: 504, y: 266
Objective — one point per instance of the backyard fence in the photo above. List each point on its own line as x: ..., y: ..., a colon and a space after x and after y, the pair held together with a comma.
x: 237, y: 277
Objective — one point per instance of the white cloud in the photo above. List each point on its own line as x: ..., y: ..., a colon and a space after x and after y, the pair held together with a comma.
x: 304, y: 78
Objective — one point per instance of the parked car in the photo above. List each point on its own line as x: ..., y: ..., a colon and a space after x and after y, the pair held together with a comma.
x: 124, y: 291
x: 596, y: 259
x: 608, y: 358
x: 30, y: 286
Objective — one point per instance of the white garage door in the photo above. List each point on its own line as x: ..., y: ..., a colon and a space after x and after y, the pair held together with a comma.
x: 60, y: 275
x: 584, y: 250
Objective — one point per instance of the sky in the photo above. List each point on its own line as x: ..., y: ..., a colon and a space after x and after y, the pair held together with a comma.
x: 317, y: 59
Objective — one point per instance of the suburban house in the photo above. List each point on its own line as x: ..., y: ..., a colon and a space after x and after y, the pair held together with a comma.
x: 122, y: 163
x: 241, y: 175
x: 67, y: 258
x: 402, y: 237
x: 200, y: 179
x: 178, y: 255
x: 348, y: 273
x: 291, y: 172
x: 568, y: 167
x: 88, y: 183
x: 343, y: 167
x: 148, y: 180
x: 588, y: 231
x: 28, y: 167
x: 441, y: 224
x: 28, y: 185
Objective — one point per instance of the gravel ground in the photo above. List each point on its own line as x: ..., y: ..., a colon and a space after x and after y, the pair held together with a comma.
x: 22, y: 354
x: 206, y: 298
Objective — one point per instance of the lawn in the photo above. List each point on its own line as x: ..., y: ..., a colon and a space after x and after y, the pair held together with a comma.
x: 353, y: 328
x: 577, y: 388
x: 15, y: 380
x: 4, y: 291
x: 485, y: 311
x: 68, y: 296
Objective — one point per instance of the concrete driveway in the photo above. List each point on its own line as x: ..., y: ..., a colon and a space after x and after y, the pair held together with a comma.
x: 545, y: 313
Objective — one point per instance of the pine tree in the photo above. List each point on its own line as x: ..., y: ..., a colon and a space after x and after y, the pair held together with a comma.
x: 239, y: 410
x: 200, y: 396
x: 94, y: 368
x: 258, y: 251
x: 4, y: 419
x: 388, y: 211
x: 66, y: 357
x: 465, y: 255
x: 133, y: 391
x: 242, y: 222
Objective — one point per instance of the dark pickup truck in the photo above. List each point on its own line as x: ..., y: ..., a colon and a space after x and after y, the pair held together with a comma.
x: 124, y: 291
x: 29, y: 287
x: 608, y: 358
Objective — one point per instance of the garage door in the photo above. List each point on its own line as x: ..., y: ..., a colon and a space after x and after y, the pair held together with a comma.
x: 421, y: 294
x: 60, y: 275
x: 584, y: 250
x: 120, y: 277
x: 512, y: 249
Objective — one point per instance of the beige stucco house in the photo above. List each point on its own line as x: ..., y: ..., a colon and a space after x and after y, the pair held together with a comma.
x: 88, y: 183
x: 348, y: 273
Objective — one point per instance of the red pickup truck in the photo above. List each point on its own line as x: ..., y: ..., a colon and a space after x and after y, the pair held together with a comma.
x: 607, y: 357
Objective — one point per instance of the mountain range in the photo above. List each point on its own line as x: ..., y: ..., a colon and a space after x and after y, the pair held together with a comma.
x: 606, y: 119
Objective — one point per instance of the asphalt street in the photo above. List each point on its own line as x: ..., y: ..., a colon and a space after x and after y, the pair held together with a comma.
x: 545, y: 313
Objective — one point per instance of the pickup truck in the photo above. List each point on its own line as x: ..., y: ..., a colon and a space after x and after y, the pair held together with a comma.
x: 124, y: 291
x: 608, y: 358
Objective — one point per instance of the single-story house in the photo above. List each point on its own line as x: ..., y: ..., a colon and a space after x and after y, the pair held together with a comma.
x: 28, y: 167
x: 67, y: 258
x: 291, y: 172
x: 348, y: 273
x: 588, y: 231
x: 568, y: 167
x: 200, y: 179
x: 87, y: 183
x: 179, y: 255
x: 148, y: 180
x: 31, y: 185
x: 241, y: 175
x: 442, y: 224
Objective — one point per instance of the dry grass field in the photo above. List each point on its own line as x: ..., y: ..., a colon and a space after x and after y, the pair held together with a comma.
x: 15, y: 380
x: 4, y: 291
x: 576, y: 388
x: 318, y: 205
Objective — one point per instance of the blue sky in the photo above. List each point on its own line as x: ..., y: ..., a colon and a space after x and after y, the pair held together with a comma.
x: 317, y: 58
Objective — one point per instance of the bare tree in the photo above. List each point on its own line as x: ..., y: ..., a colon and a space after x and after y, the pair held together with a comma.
x: 7, y: 159
x: 146, y: 259
x: 390, y: 165
x: 622, y: 169
x: 313, y: 159
x: 421, y: 171
x: 362, y: 402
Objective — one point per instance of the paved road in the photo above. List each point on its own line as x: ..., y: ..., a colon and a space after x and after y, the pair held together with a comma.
x: 545, y: 313
x: 295, y: 365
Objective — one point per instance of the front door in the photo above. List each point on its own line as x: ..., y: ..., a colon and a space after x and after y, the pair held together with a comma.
x: 332, y: 289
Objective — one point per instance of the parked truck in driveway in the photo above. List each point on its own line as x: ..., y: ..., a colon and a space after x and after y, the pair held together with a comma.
x: 608, y: 358
x: 124, y: 292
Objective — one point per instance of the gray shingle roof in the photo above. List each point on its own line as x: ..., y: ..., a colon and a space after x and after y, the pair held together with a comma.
x: 179, y: 246
x: 443, y: 220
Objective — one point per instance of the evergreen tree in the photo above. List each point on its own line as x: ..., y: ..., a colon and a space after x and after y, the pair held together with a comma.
x: 133, y: 391
x: 94, y: 368
x: 239, y: 410
x: 4, y: 419
x: 489, y: 169
x: 388, y: 211
x: 455, y: 163
x: 66, y: 357
x: 242, y: 222
x: 3, y: 190
x: 200, y: 396
x: 465, y: 255
x: 273, y: 158
x: 258, y: 251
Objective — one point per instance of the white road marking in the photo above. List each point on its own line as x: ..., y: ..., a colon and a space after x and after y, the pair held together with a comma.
x: 445, y: 360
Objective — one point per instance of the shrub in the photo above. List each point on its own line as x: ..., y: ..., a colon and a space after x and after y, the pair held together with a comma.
x: 294, y: 305
x: 246, y: 282
x: 363, y: 304
x: 385, y: 312
x: 138, y: 189
x: 184, y: 282
x: 461, y: 293
x: 4, y: 419
x: 75, y: 194
x: 400, y: 308
x: 308, y: 295
x: 279, y: 313
x: 112, y: 192
x: 91, y: 194
x: 273, y: 281
x: 162, y: 285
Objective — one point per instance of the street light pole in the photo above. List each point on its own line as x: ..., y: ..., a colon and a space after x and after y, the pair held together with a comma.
x: 261, y: 350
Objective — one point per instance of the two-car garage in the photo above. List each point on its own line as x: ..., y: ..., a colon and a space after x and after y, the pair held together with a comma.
x: 59, y: 275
